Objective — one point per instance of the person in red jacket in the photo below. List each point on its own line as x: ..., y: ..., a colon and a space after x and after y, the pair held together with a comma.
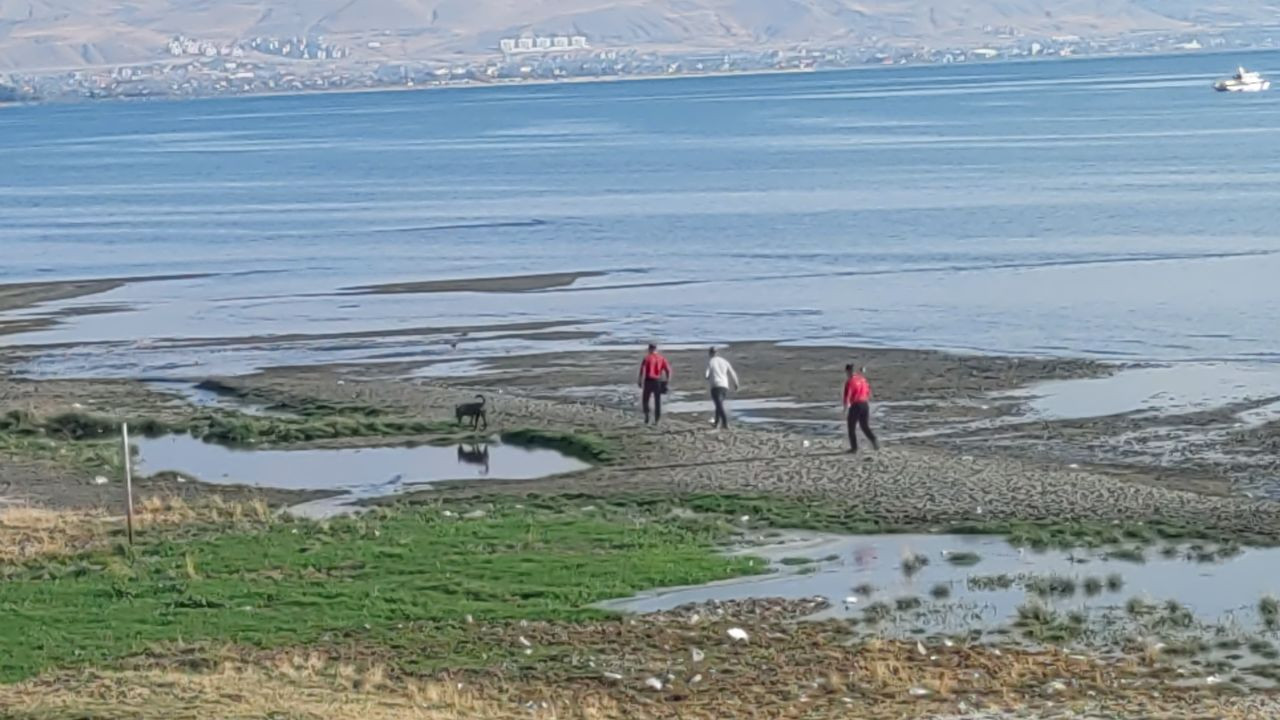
x: 655, y: 376
x: 857, y: 408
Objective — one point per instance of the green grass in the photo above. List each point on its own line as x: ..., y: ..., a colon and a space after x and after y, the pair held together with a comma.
x: 282, y: 403
x: 583, y: 446
x: 964, y: 558
x: 990, y: 582
x: 301, y: 582
x: 1269, y: 611
x: 1052, y: 586
x: 247, y: 430
x: 223, y: 427
x: 1127, y: 554
x: 1038, y: 622
x: 91, y: 458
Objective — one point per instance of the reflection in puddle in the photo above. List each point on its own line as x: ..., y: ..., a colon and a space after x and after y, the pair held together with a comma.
x: 477, y: 455
x: 359, y: 473
x: 988, y: 593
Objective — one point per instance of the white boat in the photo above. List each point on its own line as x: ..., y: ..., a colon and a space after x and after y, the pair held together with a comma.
x: 1243, y: 81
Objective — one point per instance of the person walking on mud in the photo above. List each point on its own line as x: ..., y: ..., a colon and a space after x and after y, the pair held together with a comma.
x: 857, y: 407
x: 655, y: 378
x: 720, y: 375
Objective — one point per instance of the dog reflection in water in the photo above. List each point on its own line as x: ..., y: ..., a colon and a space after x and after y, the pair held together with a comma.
x: 475, y: 455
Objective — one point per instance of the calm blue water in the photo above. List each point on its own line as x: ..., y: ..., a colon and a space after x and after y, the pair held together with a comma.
x: 1115, y: 208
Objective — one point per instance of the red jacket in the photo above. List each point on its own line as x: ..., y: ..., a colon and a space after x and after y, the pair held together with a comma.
x: 857, y: 390
x: 654, y: 366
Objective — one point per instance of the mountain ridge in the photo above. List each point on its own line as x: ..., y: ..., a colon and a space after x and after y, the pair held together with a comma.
x: 59, y: 34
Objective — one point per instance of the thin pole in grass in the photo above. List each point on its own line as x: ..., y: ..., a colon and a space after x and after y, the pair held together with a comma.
x: 128, y: 480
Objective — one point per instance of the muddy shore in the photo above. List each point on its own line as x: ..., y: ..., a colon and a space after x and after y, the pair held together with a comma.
x: 958, y: 436
x: 936, y: 465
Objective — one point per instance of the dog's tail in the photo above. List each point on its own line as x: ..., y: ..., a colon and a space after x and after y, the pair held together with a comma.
x: 482, y: 400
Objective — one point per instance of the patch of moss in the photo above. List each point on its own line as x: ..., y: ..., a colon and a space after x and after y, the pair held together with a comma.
x: 584, y: 446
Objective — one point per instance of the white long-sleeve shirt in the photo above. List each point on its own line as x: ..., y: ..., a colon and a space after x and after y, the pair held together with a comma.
x: 720, y: 373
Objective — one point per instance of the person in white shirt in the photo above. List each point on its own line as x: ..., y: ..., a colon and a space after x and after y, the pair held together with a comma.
x: 720, y: 375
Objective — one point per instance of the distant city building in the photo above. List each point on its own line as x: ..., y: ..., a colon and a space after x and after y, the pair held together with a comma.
x: 542, y: 43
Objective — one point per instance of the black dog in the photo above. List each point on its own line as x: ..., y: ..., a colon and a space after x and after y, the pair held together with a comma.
x: 474, y: 411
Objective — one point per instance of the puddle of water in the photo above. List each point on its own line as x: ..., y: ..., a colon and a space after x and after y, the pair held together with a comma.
x: 744, y: 410
x: 1161, y: 390
x: 359, y: 473
x: 1214, y: 592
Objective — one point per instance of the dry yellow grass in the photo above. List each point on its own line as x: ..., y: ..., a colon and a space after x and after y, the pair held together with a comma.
x: 311, y: 686
x: 301, y: 687
x: 30, y: 532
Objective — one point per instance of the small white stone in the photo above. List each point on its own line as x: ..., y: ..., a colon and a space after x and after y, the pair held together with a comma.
x: 920, y: 648
x: 525, y: 641
x: 739, y: 635
x: 653, y: 683
x: 851, y: 600
x: 697, y: 655
x: 917, y: 692
x: 612, y: 676
x: 100, y: 480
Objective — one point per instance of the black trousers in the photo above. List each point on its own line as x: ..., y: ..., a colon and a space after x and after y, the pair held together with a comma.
x: 718, y: 394
x: 652, y: 389
x: 860, y: 417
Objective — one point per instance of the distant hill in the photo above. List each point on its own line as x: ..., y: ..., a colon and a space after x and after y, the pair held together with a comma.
x: 39, y: 34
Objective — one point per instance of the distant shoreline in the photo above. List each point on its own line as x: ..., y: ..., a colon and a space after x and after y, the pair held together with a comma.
x: 539, y: 82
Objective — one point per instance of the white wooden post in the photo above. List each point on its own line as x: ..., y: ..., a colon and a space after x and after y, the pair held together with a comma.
x: 128, y: 480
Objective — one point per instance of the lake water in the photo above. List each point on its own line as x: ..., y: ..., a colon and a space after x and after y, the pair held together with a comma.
x: 1116, y: 208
